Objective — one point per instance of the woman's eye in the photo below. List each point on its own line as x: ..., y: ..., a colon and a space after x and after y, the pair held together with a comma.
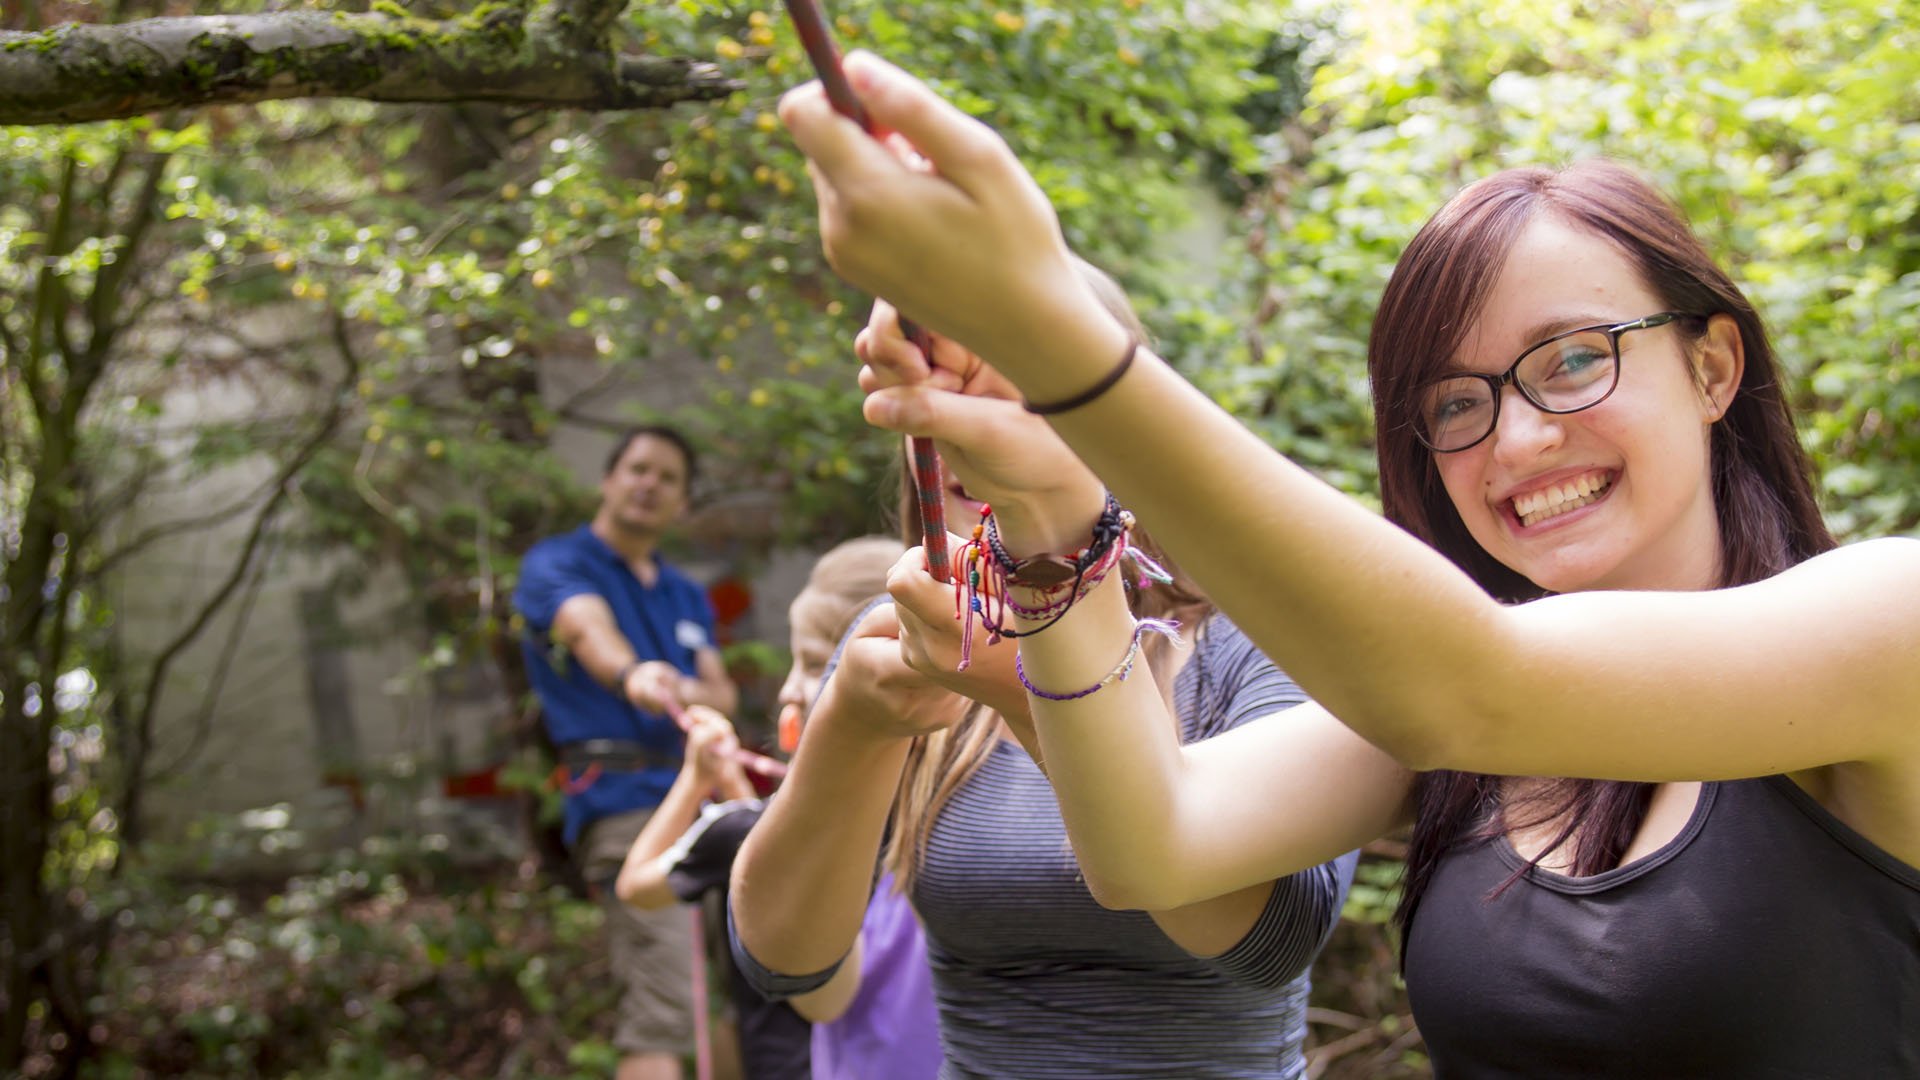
x: 1578, y: 359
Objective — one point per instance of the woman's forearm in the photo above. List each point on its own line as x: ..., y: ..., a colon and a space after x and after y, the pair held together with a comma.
x: 1326, y: 588
x: 1158, y: 825
x: 638, y: 883
x: 1113, y: 757
x: 801, y: 882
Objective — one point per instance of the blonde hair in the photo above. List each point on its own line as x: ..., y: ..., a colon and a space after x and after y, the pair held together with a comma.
x: 842, y: 582
x: 939, y: 763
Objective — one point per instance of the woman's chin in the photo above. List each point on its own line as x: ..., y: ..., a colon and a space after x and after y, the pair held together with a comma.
x: 1566, y: 571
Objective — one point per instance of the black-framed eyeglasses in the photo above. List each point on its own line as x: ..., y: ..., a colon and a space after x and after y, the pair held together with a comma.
x: 1566, y: 373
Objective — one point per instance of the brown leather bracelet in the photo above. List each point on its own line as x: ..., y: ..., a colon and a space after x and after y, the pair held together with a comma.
x: 1106, y: 383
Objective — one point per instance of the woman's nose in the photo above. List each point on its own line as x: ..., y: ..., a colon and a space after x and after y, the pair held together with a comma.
x: 790, y: 689
x: 1523, y: 431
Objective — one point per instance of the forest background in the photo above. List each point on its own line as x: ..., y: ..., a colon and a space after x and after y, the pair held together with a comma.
x: 388, y: 274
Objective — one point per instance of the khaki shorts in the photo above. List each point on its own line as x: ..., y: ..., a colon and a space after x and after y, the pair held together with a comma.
x: 651, y: 951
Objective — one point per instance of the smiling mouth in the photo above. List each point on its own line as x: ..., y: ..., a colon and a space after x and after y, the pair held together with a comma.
x: 1534, y: 507
x: 959, y: 491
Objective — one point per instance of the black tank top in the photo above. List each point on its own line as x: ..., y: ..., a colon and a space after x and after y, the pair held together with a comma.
x: 1767, y: 940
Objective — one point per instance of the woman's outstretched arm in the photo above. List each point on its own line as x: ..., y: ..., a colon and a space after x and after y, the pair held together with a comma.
x: 1808, y: 669
x: 1196, y: 834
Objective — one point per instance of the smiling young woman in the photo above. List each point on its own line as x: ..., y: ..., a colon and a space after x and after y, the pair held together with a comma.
x: 1667, y: 819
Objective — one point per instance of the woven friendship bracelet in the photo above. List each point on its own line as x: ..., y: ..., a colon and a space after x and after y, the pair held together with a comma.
x: 1120, y: 671
x: 1109, y: 531
x: 1058, y: 599
x: 1087, y: 569
x: 982, y: 586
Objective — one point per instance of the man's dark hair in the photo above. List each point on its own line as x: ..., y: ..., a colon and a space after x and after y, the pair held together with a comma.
x: 658, y: 431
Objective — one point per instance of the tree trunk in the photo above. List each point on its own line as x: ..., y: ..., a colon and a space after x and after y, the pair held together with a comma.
x: 26, y: 789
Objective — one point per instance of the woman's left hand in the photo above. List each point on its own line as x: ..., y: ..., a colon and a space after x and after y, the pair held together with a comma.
x: 930, y: 639
x: 1044, y: 498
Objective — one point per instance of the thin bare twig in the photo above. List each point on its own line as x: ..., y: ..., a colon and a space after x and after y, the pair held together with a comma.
x: 256, y: 534
x: 106, y: 296
x: 363, y: 484
x: 209, y: 701
x: 44, y: 289
x: 158, y: 533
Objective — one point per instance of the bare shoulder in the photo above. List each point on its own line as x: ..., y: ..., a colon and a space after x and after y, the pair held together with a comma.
x: 1864, y: 594
x: 1888, y: 552
x: 1881, y: 580
x: 1884, y: 570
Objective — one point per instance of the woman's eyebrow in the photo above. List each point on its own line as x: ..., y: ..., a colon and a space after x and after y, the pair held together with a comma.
x: 1560, y: 324
x: 1536, y: 334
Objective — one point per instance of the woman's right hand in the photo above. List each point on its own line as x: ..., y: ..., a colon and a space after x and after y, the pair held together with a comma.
x: 930, y: 640
x: 875, y: 692
x: 965, y: 241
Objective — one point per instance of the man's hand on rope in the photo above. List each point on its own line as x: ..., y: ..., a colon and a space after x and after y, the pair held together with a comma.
x: 653, y: 686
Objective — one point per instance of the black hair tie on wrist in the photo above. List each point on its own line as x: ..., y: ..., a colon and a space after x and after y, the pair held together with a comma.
x: 1106, y: 383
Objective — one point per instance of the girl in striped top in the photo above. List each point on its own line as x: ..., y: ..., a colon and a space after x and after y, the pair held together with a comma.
x: 1032, y: 975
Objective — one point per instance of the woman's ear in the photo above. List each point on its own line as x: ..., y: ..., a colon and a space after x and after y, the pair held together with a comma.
x: 1718, y: 362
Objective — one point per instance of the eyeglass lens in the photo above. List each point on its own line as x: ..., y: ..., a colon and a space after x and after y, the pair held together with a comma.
x: 1560, y: 376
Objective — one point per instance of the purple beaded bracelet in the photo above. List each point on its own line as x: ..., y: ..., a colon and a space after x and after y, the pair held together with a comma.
x: 1120, y: 671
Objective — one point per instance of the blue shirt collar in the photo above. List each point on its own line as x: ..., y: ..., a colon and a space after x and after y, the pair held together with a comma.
x: 595, y: 543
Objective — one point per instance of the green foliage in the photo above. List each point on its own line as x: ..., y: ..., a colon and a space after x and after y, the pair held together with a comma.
x: 476, y: 257
x: 1375, y: 892
x: 1786, y: 129
x: 391, y: 962
x: 466, y: 281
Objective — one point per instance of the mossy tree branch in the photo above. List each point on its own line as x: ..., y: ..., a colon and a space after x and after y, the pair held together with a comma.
x: 555, y: 56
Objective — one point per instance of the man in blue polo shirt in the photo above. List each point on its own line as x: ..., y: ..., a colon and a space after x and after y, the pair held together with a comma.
x: 616, y: 637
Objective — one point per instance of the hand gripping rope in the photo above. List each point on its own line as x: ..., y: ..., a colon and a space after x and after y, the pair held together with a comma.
x: 702, y: 1022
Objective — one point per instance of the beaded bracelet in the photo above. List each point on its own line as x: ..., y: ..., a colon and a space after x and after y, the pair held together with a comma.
x: 1120, y: 671
x: 1109, y: 531
x: 986, y: 572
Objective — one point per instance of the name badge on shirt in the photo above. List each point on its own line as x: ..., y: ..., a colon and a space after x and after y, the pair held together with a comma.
x: 690, y: 634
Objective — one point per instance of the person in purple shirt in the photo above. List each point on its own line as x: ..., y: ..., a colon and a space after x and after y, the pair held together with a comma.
x: 891, y: 1027
x: 887, y: 1026
x: 614, y: 638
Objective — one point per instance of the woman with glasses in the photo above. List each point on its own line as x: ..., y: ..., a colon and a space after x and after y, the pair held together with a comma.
x: 1666, y: 812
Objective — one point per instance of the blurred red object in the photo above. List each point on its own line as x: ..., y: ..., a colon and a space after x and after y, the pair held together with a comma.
x: 731, y: 598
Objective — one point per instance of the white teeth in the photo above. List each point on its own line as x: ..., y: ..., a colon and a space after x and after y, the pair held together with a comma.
x: 1551, y: 502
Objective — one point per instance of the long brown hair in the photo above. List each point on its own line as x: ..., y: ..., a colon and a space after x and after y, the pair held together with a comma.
x: 1762, y: 481
x: 938, y: 764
